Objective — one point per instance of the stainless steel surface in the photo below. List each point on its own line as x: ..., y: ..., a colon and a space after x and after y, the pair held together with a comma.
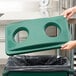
x: 73, y: 32
x: 72, y: 21
x: 1, y: 69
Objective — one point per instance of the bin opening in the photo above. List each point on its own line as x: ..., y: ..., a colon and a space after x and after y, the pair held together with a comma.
x: 22, y: 60
x: 37, y: 63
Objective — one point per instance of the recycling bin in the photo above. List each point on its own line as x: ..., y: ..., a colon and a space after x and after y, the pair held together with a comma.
x: 44, y: 65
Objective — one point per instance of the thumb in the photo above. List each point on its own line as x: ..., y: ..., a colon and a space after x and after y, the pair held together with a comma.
x: 63, y: 46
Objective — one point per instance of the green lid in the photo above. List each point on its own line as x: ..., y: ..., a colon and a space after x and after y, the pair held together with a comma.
x: 37, y: 39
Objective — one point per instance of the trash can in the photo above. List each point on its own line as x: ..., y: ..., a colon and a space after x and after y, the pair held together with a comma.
x: 44, y: 65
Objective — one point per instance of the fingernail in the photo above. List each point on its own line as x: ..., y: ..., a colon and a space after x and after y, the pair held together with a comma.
x: 61, y: 45
x: 65, y: 16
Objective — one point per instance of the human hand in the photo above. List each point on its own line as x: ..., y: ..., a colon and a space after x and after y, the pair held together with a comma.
x: 69, y: 12
x: 69, y: 45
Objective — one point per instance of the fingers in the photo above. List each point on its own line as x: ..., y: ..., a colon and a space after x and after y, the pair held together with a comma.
x: 66, y: 47
x: 68, y: 13
x: 64, y: 14
x: 69, y: 45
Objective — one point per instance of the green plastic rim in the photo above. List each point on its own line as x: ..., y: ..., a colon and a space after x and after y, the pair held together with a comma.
x: 18, y: 31
x: 52, y: 27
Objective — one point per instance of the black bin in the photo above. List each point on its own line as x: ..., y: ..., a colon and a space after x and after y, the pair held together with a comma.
x: 45, y: 65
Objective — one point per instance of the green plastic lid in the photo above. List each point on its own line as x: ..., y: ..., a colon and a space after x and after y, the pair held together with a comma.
x: 37, y: 39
